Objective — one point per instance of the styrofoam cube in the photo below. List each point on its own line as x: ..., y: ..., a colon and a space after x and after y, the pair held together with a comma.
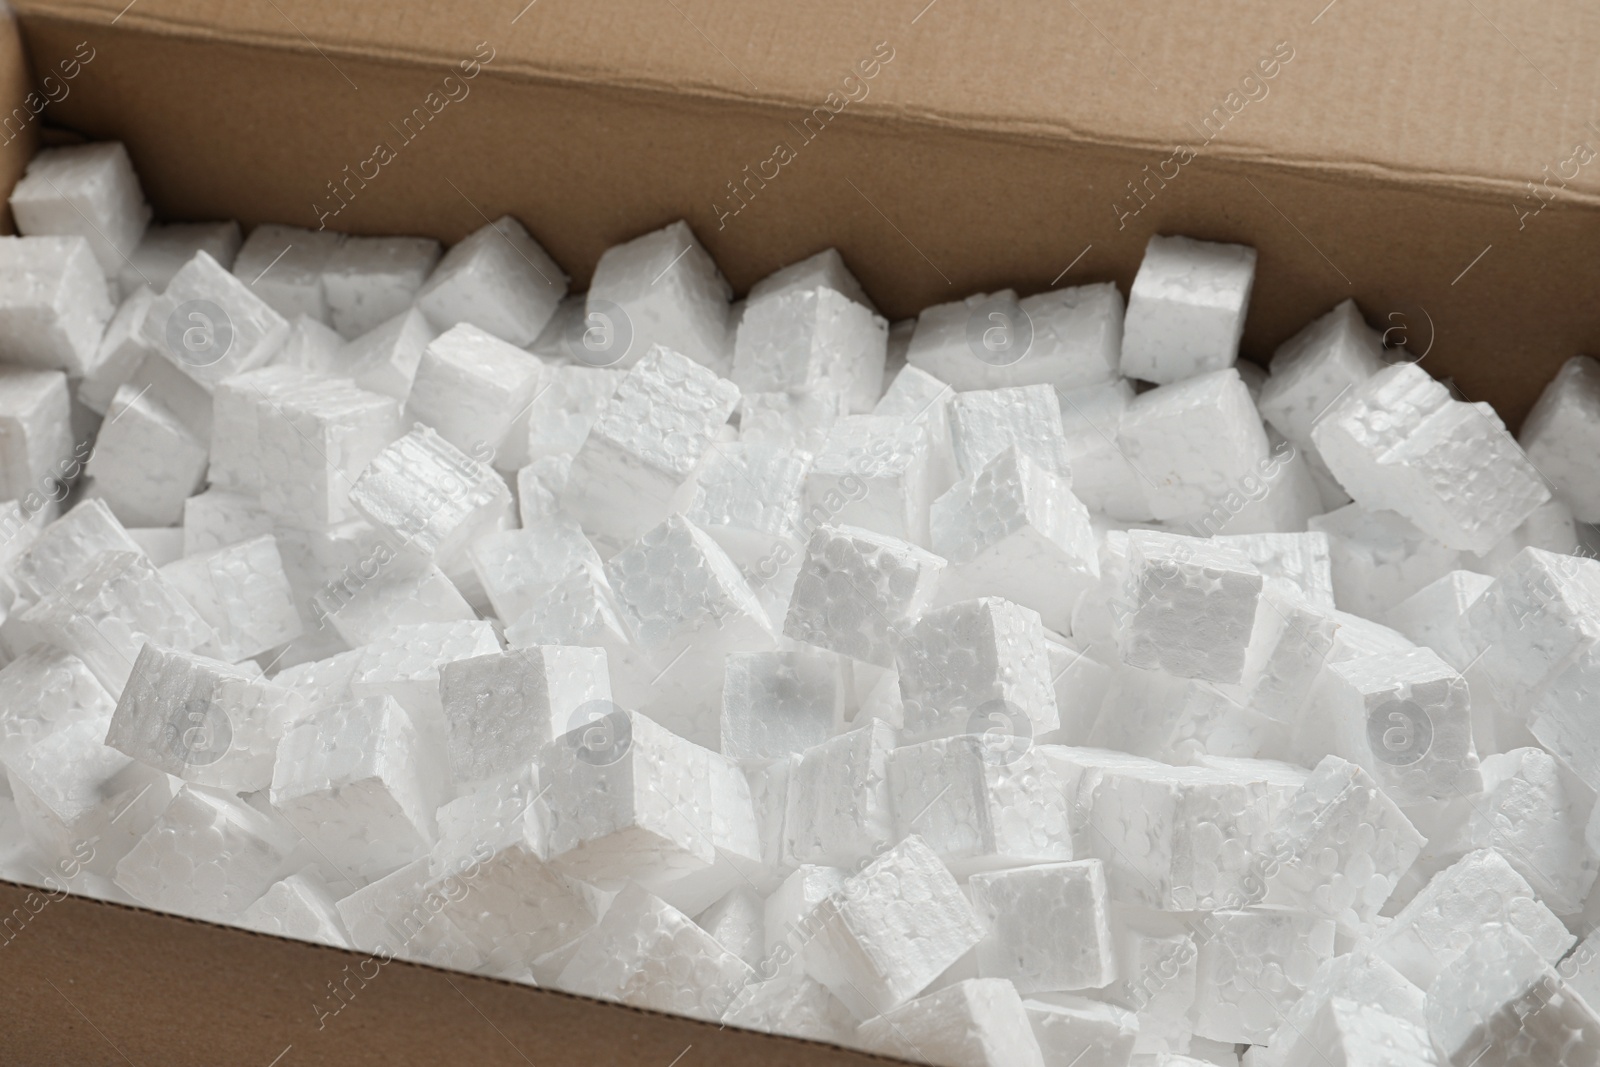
x: 385, y: 358
x: 166, y: 247
x: 1316, y: 367
x: 1192, y: 608
x: 1159, y: 715
x: 564, y: 409
x: 242, y: 592
x: 514, y: 907
x: 299, y: 907
x: 1440, y: 923
x: 1157, y: 983
x: 313, y: 347
x: 978, y: 805
x: 80, y: 800
x: 855, y: 588
x: 1047, y: 926
x: 973, y: 666
x: 1550, y: 527
x: 315, y: 441
x: 36, y: 447
x: 821, y: 828
x: 1379, y: 558
x: 1502, y: 1004
x: 1296, y: 565
x: 1083, y: 1032
x: 979, y: 1022
x: 211, y: 325
x: 776, y: 704
x: 1349, y: 1032
x: 120, y: 353
x: 825, y: 268
x: 811, y: 341
x: 1101, y: 476
x: 1398, y: 441
x: 431, y: 495
x: 1015, y: 530
x: 53, y: 303
x: 87, y: 190
x: 367, y: 599
x: 874, y: 471
x: 1562, y: 430
x: 502, y: 708
x: 202, y: 720
x: 369, y: 280
x: 1193, y: 442
x: 284, y: 265
x: 66, y: 547
x: 662, y: 289
x: 890, y: 930
x: 1186, y: 309
x: 405, y: 664
x: 1252, y: 967
x: 217, y: 518
x: 648, y: 954
x: 1339, y: 848
x: 985, y: 423
x: 1358, y: 976
x: 471, y: 386
x: 581, y: 609
x: 517, y: 567
x: 120, y: 602
x: 919, y: 397
x: 794, y: 1004
x: 349, y: 780
x: 237, y: 404
x: 747, y: 497
x: 208, y: 855
x: 497, y: 278
x: 789, y: 421
x: 645, y: 443
x: 736, y: 922
x: 44, y: 690
x: 402, y: 915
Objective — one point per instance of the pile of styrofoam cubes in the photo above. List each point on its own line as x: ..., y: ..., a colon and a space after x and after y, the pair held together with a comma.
x: 1028, y: 684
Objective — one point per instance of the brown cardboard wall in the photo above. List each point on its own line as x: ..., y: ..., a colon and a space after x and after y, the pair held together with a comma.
x: 87, y: 984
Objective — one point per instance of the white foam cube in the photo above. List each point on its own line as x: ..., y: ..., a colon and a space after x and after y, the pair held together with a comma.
x: 1101, y: 475
x: 793, y: 1004
x: 919, y: 397
x: 209, y: 855
x: 242, y: 592
x: 979, y: 1022
x: 1084, y: 1032
x: 820, y: 828
x: 980, y: 805
x: 825, y: 268
x: 87, y: 190
x: 1047, y: 926
x: 313, y: 347
x: 565, y: 407
x: 217, y: 518
x: 517, y: 567
x: 1562, y: 430
x: 497, y: 278
x: 166, y: 247
x: 581, y: 609
x: 811, y: 341
x: 1399, y: 442
x: 645, y: 443
x: 891, y: 930
x: 663, y: 289
x: 1316, y: 367
x: 430, y: 494
x: 855, y: 588
x: 284, y: 266
x: 984, y: 423
x: 1015, y: 530
x: 1339, y: 848
x: 80, y: 800
x: 503, y: 707
x: 108, y: 614
x: 35, y: 432
x: 44, y: 690
x: 53, y: 303
x: 1252, y: 967
x: 874, y: 471
x: 121, y: 351
x: 1193, y: 606
x: 1359, y: 976
x: 369, y: 280
x: 369, y: 598
x: 471, y: 386
x: 798, y: 422
x: 1379, y: 558
x: 1192, y: 443
x: 646, y: 953
x: 402, y: 915
x: 973, y: 666
x: 299, y: 907
x: 747, y: 497
x: 202, y: 720
x: 211, y: 325
x: 385, y: 358
x: 1440, y: 923
x: 348, y: 779
x: 1156, y: 714
x: 315, y: 441
x: 1186, y: 309
x: 1550, y: 527
x: 66, y: 547
x: 1349, y: 1032
x: 237, y: 403
x: 405, y: 664
x: 776, y: 704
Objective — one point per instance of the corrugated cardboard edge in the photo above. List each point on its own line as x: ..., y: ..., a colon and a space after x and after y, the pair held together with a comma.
x: 177, y: 991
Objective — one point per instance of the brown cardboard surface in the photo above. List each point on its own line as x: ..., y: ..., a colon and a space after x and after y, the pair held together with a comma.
x: 87, y: 984
x: 1004, y: 143
x: 1388, y: 159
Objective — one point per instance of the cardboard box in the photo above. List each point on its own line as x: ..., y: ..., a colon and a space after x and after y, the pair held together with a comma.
x: 1438, y: 164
